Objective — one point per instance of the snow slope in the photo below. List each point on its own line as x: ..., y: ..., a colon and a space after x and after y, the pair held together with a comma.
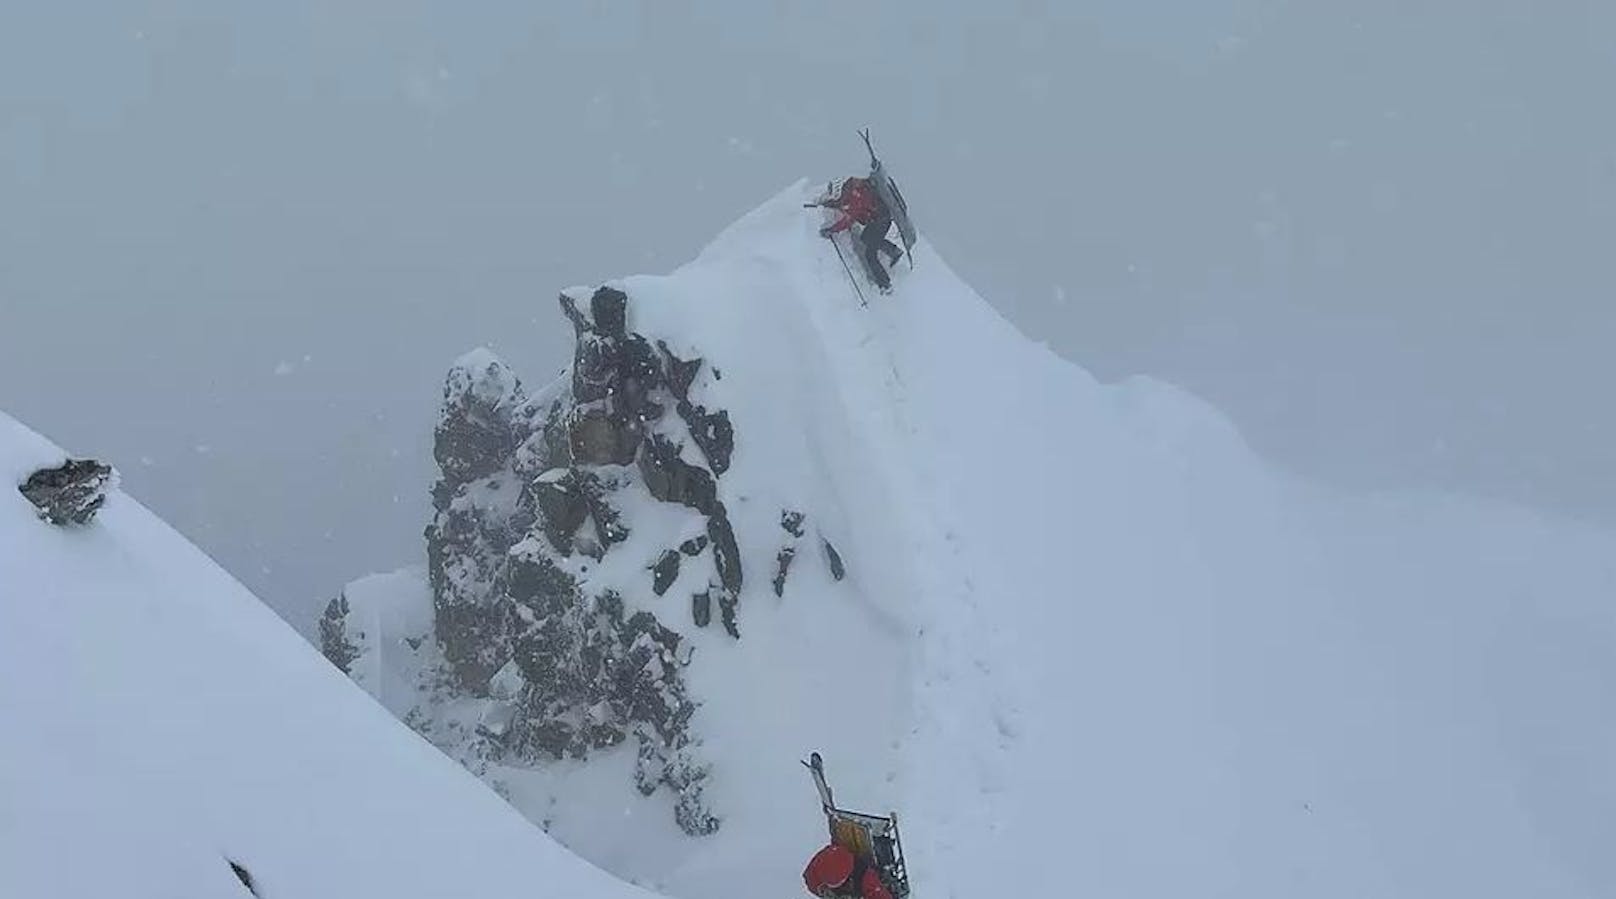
x: 1155, y: 669
x: 1087, y: 639
x: 156, y: 719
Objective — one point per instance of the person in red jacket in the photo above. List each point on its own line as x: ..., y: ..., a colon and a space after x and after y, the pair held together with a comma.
x: 859, y: 202
x: 836, y: 873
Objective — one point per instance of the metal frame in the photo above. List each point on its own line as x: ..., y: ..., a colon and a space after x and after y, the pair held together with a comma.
x: 895, y: 872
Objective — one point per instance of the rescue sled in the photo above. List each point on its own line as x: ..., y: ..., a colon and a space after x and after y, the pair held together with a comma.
x: 873, y: 838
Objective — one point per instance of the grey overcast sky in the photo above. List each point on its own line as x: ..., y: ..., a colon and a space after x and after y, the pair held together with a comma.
x: 241, y: 241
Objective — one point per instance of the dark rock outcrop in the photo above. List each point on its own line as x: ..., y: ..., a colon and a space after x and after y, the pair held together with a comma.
x: 485, y: 419
x: 694, y: 545
x: 71, y: 493
x: 834, y: 560
x: 609, y: 306
x: 478, y: 429
x: 620, y: 388
x: 726, y: 555
x: 782, y: 566
x: 527, y: 488
x: 681, y: 372
x: 711, y: 431
x: 598, y: 437
x: 665, y: 571
x: 791, y: 522
x: 466, y: 548
x: 243, y: 875
x: 614, y: 371
x: 726, y: 613
x: 609, y: 526
x: 562, y: 506
x: 595, y: 678
x: 334, y: 642
x: 673, y: 480
x: 529, y: 540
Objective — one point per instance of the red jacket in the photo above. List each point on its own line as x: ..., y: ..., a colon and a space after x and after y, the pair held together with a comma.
x: 858, y: 203
x: 831, y: 868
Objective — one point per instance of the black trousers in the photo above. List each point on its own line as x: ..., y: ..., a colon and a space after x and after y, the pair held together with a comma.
x: 873, y: 240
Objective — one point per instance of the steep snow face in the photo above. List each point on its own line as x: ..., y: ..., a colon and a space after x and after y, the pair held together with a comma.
x: 1150, y: 667
x: 1085, y: 640
x: 157, y: 720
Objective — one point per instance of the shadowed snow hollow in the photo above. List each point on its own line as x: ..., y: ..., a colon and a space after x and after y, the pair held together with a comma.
x: 1084, y: 638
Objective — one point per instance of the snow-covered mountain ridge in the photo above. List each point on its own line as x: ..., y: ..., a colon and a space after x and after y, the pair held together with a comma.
x: 158, y: 723
x: 1078, y: 633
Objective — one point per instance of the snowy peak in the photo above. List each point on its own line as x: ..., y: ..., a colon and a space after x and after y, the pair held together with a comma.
x: 1077, y: 633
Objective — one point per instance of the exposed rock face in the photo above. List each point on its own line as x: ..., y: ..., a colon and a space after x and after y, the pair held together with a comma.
x: 673, y: 480
x: 334, y: 642
x: 528, y: 504
x: 665, y: 571
x: 562, y: 505
x: 791, y: 522
x: 838, y: 570
x: 623, y: 386
x: 556, y: 635
x: 478, y: 431
x: 726, y: 612
x: 71, y: 493
x: 711, y: 431
x: 782, y: 567
x: 485, y: 417
x: 243, y: 875
x: 609, y: 526
x: 598, y: 438
x: 726, y: 555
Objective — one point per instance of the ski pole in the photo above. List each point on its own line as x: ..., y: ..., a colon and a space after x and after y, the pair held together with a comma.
x: 849, y: 269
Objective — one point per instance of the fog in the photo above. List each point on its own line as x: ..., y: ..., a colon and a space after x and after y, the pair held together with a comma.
x: 241, y: 242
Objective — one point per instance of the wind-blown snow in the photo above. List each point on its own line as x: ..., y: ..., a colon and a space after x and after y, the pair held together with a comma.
x: 1088, y: 643
x: 156, y: 719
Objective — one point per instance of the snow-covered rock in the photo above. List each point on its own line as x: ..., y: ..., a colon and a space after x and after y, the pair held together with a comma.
x: 1077, y: 633
x: 163, y: 734
x: 70, y: 493
x: 480, y: 425
x: 529, y: 508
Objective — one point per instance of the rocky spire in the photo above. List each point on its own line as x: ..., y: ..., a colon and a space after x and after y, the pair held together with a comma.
x: 529, y: 496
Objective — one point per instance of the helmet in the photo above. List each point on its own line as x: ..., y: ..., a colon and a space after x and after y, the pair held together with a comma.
x: 830, y: 867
